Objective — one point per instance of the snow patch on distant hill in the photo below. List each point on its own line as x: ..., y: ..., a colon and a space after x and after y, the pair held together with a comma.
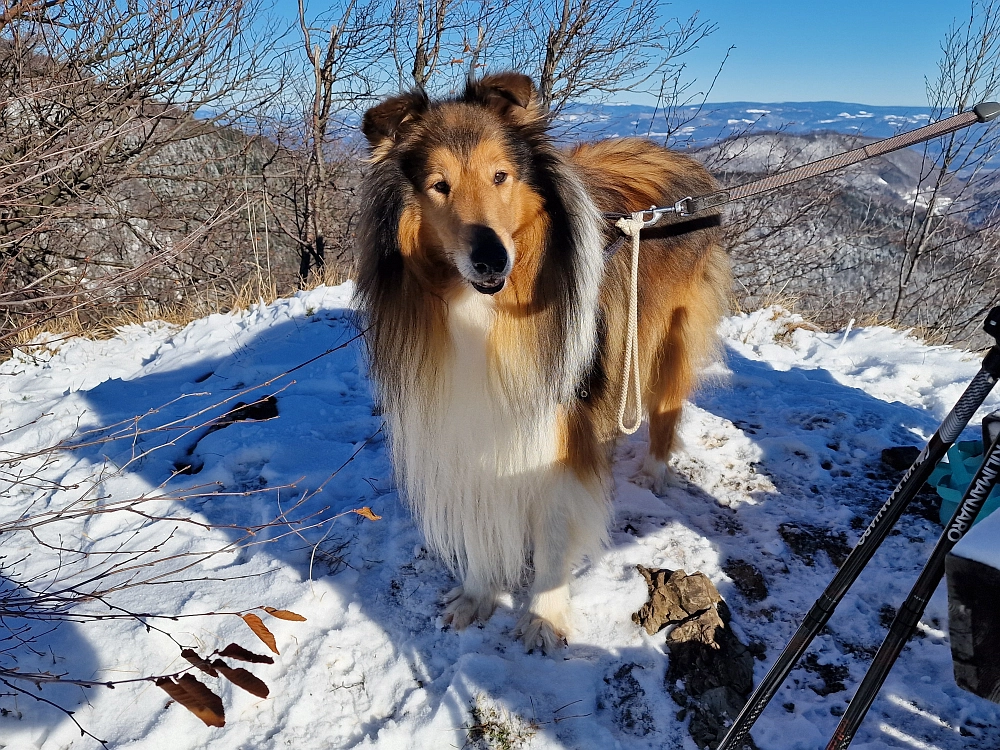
x: 716, y: 121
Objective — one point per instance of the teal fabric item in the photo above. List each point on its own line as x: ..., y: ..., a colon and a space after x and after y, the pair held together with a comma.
x: 953, y: 475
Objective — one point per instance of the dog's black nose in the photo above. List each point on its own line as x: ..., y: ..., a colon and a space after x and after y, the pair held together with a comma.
x: 488, y: 256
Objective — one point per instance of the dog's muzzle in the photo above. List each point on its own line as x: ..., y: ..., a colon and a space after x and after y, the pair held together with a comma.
x: 489, y: 260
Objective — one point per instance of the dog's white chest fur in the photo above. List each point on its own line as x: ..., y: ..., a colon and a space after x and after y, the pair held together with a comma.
x: 477, y: 460
x: 507, y: 431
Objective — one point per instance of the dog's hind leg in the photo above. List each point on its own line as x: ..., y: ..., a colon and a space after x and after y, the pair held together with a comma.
x: 672, y: 375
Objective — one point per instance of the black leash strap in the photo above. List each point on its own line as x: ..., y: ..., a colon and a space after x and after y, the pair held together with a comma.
x: 984, y: 112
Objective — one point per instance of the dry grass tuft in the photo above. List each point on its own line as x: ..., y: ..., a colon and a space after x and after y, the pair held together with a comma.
x: 495, y: 728
x: 331, y: 275
x: 99, y: 326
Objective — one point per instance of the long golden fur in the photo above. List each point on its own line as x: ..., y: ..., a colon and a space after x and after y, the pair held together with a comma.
x: 496, y: 330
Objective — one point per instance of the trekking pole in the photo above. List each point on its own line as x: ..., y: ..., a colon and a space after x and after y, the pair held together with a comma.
x: 905, y: 621
x: 874, y: 535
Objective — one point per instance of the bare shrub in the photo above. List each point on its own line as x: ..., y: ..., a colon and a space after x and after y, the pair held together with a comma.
x: 841, y: 248
x: 113, y: 184
x: 948, y: 267
x: 599, y: 48
x: 311, y: 182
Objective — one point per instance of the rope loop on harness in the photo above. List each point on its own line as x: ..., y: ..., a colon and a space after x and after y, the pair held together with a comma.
x: 631, y: 226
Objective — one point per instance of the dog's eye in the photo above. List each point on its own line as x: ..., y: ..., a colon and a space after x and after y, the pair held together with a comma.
x: 499, y: 177
x: 442, y: 187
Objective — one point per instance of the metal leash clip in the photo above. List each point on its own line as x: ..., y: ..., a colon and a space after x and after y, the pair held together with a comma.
x: 682, y: 207
x: 655, y: 214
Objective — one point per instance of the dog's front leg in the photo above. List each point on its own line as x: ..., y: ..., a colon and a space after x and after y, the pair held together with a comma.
x: 545, y: 624
x: 474, y: 600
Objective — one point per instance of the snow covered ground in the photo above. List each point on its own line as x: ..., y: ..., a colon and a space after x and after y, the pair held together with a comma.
x: 781, y: 469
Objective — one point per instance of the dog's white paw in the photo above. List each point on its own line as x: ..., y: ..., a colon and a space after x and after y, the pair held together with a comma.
x: 463, y: 609
x: 656, y: 476
x: 537, y: 632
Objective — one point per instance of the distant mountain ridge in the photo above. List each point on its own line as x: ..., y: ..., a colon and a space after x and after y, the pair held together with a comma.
x: 714, y: 122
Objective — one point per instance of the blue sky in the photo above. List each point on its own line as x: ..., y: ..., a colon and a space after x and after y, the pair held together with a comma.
x: 875, y: 52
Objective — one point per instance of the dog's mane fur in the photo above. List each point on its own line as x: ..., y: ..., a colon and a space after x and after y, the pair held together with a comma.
x: 404, y: 311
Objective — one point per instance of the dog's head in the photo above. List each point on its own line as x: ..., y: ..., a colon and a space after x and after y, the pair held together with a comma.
x: 469, y: 162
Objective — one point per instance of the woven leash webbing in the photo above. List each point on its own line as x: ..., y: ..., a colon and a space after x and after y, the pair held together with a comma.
x: 846, y: 159
x: 830, y: 163
x: 631, y: 226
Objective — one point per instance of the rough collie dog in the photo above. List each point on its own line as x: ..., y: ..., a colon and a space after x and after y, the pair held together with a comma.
x: 496, y: 330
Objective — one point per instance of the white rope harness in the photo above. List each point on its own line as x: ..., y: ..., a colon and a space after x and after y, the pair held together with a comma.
x: 630, y: 374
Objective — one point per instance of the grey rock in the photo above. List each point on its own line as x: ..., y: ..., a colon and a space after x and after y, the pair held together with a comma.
x: 713, y: 665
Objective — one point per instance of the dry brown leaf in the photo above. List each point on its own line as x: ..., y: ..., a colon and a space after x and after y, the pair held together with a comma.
x: 284, y: 614
x: 235, y: 651
x: 368, y: 513
x: 260, y: 630
x: 196, y: 698
x: 242, y: 678
x: 203, y: 664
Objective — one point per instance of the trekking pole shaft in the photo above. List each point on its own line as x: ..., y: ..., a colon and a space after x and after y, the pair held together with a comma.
x: 874, y: 535
x: 906, y: 620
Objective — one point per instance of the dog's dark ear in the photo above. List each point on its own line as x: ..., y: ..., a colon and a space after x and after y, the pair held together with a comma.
x: 384, y: 123
x: 512, y: 95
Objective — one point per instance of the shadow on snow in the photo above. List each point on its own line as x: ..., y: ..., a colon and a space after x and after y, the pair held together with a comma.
x: 326, y: 416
